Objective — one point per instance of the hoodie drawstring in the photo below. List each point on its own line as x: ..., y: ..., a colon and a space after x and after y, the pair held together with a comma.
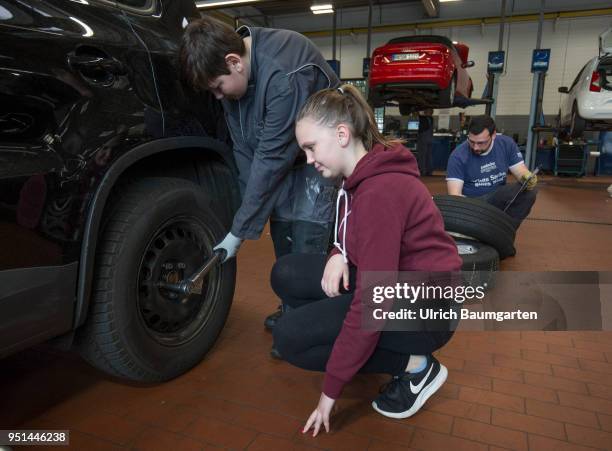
x: 341, y: 194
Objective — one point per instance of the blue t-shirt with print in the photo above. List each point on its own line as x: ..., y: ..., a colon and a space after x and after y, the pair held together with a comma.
x: 481, y: 174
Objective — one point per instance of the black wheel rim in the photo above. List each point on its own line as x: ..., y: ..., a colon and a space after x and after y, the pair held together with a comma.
x: 175, y: 251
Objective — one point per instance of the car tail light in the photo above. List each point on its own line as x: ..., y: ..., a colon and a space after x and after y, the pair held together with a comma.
x: 595, y: 82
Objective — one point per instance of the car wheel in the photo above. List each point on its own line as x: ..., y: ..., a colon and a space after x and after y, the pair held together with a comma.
x: 478, y: 220
x: 447, y: 96
x: 578, y: 124
x: 159, y: 230
x: 480, y: 262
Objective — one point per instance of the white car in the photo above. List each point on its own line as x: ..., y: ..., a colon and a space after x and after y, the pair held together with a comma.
x: 588, y: 104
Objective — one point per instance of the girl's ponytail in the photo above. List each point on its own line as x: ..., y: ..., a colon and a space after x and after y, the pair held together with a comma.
x: 346, y: 104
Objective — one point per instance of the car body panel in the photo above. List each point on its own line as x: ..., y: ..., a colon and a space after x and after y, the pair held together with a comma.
x: 82, y: 85
x: 438, y: 61
x: 36, y: 304
x: 592, y: 106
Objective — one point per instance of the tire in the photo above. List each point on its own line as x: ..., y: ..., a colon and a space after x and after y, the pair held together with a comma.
x: 158, y: 229
x: 577, y: 125
x: 478, y: 220
x: 447, y: 96
x: 480, y: 262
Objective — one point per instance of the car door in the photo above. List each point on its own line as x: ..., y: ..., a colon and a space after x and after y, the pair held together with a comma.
x: 160, y: 25
x: 567, y: 101
x: 66, y: 104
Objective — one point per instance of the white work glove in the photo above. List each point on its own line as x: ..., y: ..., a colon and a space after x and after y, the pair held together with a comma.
x: 230, y: 245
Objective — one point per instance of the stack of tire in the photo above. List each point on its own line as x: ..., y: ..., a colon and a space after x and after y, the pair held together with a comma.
x: 483, y: 233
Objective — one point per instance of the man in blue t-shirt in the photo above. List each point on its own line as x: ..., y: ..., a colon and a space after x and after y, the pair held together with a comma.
x: 479, y: 166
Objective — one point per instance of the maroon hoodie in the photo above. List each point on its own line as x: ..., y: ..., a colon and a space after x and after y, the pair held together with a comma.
x: 393, y: 224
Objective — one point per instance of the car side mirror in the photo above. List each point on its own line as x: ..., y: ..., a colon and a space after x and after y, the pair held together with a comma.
x: 564, y: 90
x: 468, y: 64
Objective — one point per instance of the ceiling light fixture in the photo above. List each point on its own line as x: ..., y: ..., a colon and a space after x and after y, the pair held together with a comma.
x: 322, y: 9
x: 216, y: 3
x: 447, y: 1
x: 319, y: 7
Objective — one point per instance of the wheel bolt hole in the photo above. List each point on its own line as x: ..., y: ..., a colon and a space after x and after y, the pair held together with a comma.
x: 160, y: 244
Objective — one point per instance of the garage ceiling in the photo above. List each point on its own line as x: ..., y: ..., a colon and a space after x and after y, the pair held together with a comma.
x: 296, y: 14
x: 281, y: 7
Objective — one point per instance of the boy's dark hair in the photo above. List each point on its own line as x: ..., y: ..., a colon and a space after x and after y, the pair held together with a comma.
x: 204, y: 46
x: 479, y: 123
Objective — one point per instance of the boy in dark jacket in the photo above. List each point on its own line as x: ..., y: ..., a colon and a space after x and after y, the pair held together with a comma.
x: 263, y: 77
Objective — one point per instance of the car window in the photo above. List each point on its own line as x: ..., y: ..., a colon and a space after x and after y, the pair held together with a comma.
x: 12, y: 13
x: 578, y: 76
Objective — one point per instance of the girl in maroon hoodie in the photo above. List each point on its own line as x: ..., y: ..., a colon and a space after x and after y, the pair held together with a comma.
x: 386, y: 221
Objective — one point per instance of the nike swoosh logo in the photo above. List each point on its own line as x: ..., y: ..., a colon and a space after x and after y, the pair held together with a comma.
x: 415, y: 389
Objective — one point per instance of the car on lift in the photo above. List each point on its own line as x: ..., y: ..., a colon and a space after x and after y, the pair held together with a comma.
x: 115, y: 182
x: 588, y: 103
x: 420, y: 72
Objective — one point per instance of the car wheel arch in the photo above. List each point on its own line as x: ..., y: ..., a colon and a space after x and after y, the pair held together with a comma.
x: 111, y: 178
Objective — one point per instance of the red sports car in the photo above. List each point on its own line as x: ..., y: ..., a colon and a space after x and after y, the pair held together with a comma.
x: 420, y: 72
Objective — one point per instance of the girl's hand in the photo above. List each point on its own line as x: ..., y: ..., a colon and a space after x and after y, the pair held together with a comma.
x: 320, y: 415
x: 336, y: 271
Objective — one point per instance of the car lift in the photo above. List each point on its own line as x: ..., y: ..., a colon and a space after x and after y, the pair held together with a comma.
x: 495, y: 66
x: 539, y: 66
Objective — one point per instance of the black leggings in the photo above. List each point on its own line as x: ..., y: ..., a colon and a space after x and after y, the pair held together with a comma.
x: 305, y: 334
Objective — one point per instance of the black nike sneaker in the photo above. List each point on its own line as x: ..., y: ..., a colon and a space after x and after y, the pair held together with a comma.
x: 405, y: 394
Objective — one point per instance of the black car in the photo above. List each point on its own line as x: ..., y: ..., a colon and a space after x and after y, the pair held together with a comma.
x: 114, y: 182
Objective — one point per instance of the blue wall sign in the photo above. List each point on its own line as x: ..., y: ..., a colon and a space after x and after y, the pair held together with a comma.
x: 496, y: 61
x: 540, y: 60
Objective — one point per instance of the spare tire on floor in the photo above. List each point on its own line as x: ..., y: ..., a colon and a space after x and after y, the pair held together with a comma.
x: 474, y: 218
x: 480, y: 262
